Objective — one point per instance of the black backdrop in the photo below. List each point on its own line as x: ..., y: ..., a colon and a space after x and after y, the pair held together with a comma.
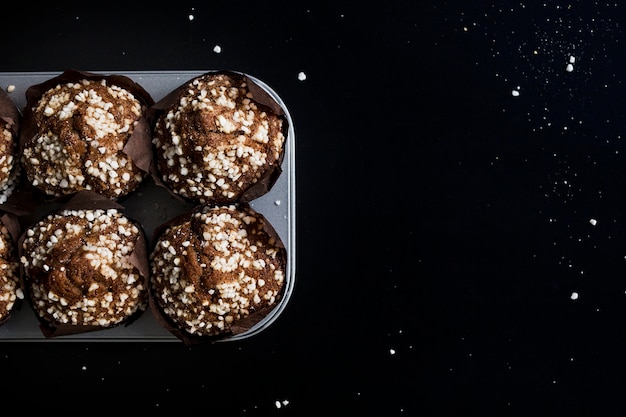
x: 442, y: 220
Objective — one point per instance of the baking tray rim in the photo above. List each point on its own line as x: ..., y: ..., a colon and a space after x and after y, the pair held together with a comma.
x: 289, y: 162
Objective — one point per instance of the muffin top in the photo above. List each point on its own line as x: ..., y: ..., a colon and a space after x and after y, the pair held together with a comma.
x: 81, y: 130
x: 9, y: 136
x: 216, y: 268
x: 10, y: 287
x: 78, y: 268
x: 215, y: 141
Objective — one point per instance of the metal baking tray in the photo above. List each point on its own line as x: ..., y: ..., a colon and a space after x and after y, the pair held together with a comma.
x: 152, y: 205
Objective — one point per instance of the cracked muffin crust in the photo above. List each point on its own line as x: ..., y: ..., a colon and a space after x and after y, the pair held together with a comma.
x: 10, y: 284
x: 215, y: 269
x: 9, y: 136
x: 82, y: 128
x: 215, y: 141
x: 9, y: 166
x: 78, y: 269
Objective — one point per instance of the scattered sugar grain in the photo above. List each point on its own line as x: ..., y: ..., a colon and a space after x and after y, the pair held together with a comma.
x: 569, y: 68
x: 301, y: 76
x: 574, y: 296
x: 593, y: 222
x: 10, y: 88
x: 217, y: 49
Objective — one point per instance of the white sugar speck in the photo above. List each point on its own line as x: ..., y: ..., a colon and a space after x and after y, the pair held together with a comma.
x: 277, y: 202
x: 10, y: 88
x: 593, y: 222
x: 515, y: 93
x: 572, y: 60
x: 278, y: 404
x: 84, y: 368
x: 574, y: 296
x: 569, y: 68
x: 301, y: 76
x: 392, y: 351
x: 285, y: 402
x: 217, y: 49
x: 191, y: 17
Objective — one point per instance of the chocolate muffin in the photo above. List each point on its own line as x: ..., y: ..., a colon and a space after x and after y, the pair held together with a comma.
x: 219, y: 139
x: 10, y: 283
x: 77, y: 140
x: 216, y: 272
x: 79, y: 270
x: 9, y: 136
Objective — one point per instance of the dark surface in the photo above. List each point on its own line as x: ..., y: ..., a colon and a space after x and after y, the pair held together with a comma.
x: 442, y: 222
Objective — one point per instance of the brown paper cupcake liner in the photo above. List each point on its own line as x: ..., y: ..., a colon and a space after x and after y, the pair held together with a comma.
x: 89, y: 200
x: 11, y: 222
x: 139, y: 146
x: 260, y: 96
x: 9, y: 210
x: 242, y: 325
x: 10, y: 114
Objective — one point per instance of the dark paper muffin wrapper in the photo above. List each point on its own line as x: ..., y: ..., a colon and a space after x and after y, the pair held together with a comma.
x: 89, y: 200
x: 10, y: 114
x: 260, y: 96
x: 11, y: 222
x: 138, y: 147
x: 9, y: 211
x: 241, y: 326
